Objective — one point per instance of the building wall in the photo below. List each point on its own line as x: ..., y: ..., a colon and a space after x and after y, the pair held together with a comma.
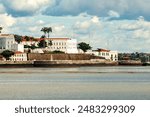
x: 18, y: 47
x: 109, y: 55
x: 72, y: 46
x: 19, y: 57
x: 66, y: 45
x: 6, y: 41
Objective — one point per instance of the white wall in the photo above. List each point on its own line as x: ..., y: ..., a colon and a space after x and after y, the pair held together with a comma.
x: 6, y: 40
x: 18, y: 47
x: 72, y: 46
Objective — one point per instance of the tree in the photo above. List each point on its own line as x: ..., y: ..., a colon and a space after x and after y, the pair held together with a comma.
x: 84, y: 46
x: 49, y: 29
x: 42, y: 44
x: 33, y: 47
x: 44, y: 30
x: 27, y: 38
x: 18, y: 38
x: 1, y: 29
x: 7, y: 54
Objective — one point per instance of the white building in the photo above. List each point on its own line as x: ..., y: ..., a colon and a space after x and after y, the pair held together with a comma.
x: 17, y: 47
x: 6, y: 41
x: 107, y: 54
x: 19, y: 56
x: 66, y: 45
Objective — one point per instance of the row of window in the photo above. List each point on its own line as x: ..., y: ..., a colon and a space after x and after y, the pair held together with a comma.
x: 19, y: 55
x: 57, y: 47
x: 104, y: 54
x: 18, y: 59
x: 59, y: 43
x: 8, y: 42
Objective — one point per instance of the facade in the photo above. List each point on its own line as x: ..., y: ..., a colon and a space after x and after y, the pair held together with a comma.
x: 107, y: 54
x: 66, y: 45
x: 19, y: 56
x: 17, y: 47
x: 6, y: 41
x: 29, y: 43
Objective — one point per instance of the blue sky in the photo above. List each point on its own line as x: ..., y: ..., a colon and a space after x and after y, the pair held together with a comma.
x: 122, y: 25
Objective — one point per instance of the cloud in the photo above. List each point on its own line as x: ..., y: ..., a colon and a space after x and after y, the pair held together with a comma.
x: 2, y: 9
x: 113, y: 14
x: 7, y: 20
x: 27, y: 7
x: 123, y: 8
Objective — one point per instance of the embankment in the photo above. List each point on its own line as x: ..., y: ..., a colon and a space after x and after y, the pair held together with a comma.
x: 73, y: 63
x: 13, y: 64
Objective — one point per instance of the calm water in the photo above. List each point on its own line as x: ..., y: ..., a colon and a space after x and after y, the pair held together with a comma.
x: 75, y: 83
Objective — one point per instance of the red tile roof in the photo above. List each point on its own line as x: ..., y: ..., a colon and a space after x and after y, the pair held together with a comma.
x: 103, y: 50
x: 18, y: 52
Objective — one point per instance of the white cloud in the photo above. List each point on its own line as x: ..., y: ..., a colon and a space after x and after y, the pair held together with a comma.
x: 30, y: 5
x: 141, y: 34
x: 7, y: 20
x: 95, y: 19
x: 2, y: 9
x: 59, y: 28
x: 113, y: 14
x: 40, y: 22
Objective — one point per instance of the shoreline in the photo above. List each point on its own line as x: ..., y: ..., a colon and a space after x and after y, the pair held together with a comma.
x: 62, y: 64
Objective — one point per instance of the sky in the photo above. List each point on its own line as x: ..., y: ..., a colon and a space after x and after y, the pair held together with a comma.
x: 122, y: 25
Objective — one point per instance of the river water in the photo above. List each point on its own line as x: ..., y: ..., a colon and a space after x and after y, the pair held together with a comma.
x: 84, y: 83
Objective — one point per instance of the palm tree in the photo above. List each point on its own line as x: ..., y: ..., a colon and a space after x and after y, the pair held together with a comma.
x: 49, y: 29
x: 1, y: 29
x: 44, y: 29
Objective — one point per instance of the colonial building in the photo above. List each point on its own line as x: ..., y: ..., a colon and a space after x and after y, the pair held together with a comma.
x: 6, y: 41
x: 107, y: 54
x: 67, y: 45
x: 19, y: 56
x: 17, y: 47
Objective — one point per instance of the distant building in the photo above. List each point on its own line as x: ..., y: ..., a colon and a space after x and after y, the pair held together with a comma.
x: 107, y: 54
x: 17, y: 47
x: 66, y: 45
x: 19, y: 56
x: 6, y: 41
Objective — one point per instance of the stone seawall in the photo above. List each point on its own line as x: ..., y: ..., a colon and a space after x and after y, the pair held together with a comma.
x: 32, y: 56
x: 73, y: 63
x: 13, y: 64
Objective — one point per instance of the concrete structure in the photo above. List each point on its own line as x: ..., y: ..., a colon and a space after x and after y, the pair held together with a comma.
x: 19, y: 56
x: 17, y: 47
x: 6, y: 42
x: 29, y: 43
x: 107, y: 54
x: 66, y: 45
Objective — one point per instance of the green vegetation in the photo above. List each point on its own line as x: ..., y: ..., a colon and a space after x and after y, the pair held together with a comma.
x: 57, y: 52
x: 42, y: 44
x: 31, y: 47
x: 46, y: 30
x: 27, y: 38
x: 84, y: 46
x: 1, y: 29
x: 18, y: 38
x: 7, y: 54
